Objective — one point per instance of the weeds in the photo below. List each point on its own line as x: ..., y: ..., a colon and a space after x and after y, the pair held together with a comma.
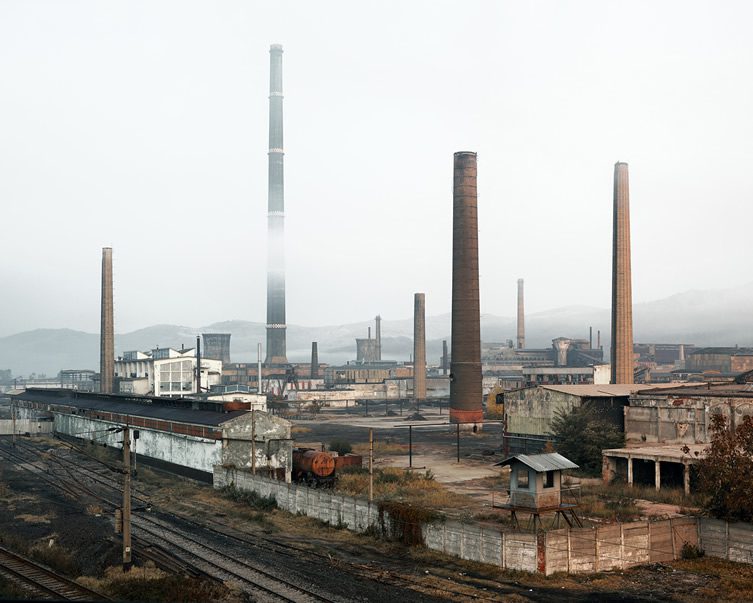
x: 392, y: 483
x: 56, y: 558
x: 252, y: 499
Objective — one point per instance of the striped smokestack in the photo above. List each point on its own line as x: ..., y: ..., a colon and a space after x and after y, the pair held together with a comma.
x: 107, y: 328
x: 465, y: 367
x: 521, y: 317
x: 276, y: 353
x: 622, y: 296
x: 419, y: 346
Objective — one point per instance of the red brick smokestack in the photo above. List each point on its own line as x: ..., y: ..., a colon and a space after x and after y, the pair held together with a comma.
x: 465, y: 370
x: 107, y: 328
x: 622, y: 294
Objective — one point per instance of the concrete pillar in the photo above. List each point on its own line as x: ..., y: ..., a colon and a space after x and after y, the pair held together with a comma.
x: 657, y: 473
x: 622, y: 296
x: 686, y: 478
x: 630, y: 471
x: 419, y: 346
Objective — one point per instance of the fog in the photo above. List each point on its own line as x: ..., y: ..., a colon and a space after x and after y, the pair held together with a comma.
x: 143, y: 126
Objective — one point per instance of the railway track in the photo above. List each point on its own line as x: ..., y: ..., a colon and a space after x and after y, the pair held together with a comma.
x: 42, y: 582
x: 452, y: 588
x: 199, y: 556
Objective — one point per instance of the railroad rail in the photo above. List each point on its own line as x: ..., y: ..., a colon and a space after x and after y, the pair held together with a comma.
x: 199, y: 556
x: 453, y: 589
x: 43, y: 582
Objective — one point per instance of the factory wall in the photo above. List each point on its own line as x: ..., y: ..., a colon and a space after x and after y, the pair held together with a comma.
x: 674, y: 419
x: 188, y: 451
x: 531, y: 411
x: 273, y: 445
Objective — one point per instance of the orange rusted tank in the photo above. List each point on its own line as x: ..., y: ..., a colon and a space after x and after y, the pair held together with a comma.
x: 308, y: 463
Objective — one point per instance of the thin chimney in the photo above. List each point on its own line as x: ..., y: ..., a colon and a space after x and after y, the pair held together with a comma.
x: 521, y: 317
x: 378, y: 321
x: 276, y: 327
x: 465, y: 372
x: 445, y: 364
x: 419, y: 346
x: 107, y: 328
x: 622, y: 296
x: 314, y: 360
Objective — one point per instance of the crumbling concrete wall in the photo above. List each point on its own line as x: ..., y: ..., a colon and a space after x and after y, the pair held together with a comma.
x: 680, y: 419
x: 197, y: 453
x: 260, y: 441
x: 25, y: 426
x: 472, y: 541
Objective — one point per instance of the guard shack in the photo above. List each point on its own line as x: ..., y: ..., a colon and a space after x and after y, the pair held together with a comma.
x: 536, y: 488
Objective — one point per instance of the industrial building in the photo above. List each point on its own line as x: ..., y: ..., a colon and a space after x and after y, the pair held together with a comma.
x: 190, y: 436
x: 165, y: 372
x: 729, y: 360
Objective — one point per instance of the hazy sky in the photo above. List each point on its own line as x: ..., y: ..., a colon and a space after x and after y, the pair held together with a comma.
x: 143, y: 126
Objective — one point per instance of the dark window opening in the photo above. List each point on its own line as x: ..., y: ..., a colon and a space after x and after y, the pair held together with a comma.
x: 523, y: 478
x: 549, y: 479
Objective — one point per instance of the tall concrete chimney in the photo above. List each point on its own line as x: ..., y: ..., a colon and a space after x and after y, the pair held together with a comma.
x: 419, y: 346
x: 107, y: 328
x: 445, y: 365
x: 622, y: 296
x: 465, y: 371
x: 314, y: 360
x: 378, y: 320
x: 521, y: 317
x: 276, y: 352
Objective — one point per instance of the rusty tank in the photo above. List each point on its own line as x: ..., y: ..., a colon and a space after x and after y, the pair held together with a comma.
x: 313, y: 466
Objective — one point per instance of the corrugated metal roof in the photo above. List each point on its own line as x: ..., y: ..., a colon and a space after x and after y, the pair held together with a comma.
x: 607, y: 391
x: 132, y: 406
x: 551, y: 461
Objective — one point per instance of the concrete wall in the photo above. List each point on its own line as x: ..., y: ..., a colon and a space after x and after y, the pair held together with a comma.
x: 188, y: 451
x: 617, y: 546
x: 733, y: 541
x: 680, y: 420
x: 568, y: 550
x: 476, y: 542
x: 24, y: 426
x: 272, y: 448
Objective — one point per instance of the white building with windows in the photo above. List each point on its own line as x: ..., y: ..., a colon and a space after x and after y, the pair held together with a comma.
x: 165, y: 372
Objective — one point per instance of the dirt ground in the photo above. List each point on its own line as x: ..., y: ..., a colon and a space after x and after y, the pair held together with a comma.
x: 31, y: 516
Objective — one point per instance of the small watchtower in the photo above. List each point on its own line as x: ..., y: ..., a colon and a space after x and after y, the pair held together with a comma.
x: 536, y: 487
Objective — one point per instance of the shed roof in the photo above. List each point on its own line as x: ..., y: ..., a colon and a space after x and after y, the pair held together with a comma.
x: 139, y: 406
x: 550, y: 461
x: 607, y: 390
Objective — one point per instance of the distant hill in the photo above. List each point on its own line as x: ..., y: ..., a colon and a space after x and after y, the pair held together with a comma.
x: 722, y: 317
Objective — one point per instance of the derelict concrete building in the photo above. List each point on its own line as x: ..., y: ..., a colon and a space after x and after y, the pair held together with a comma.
x: 622, y: 296
x: 276, y: 326
x: 217, y: 346
x: 465, y: 368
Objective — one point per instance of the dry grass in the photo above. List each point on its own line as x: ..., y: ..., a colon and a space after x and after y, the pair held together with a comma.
x: 29, y: 518
x: 298, y: 429
x: 148, y: 583
x: 386, y: 448
x: 392, y: 483
x: 618, y: 490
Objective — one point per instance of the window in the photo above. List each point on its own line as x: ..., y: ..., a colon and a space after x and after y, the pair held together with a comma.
x: 523, y: 478
x: 549, y: 479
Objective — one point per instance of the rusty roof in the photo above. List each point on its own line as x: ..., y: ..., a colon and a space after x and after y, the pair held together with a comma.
x: 550, y: 461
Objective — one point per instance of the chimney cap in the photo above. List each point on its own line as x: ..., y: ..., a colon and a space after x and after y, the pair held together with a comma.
x: 275, y: 48
x: 471, y: 153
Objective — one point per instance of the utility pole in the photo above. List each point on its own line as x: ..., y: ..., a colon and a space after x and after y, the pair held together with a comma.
x: 253, y: 441
x: 126, y: 498
x: 13, y: 417
x: 371, y: 464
